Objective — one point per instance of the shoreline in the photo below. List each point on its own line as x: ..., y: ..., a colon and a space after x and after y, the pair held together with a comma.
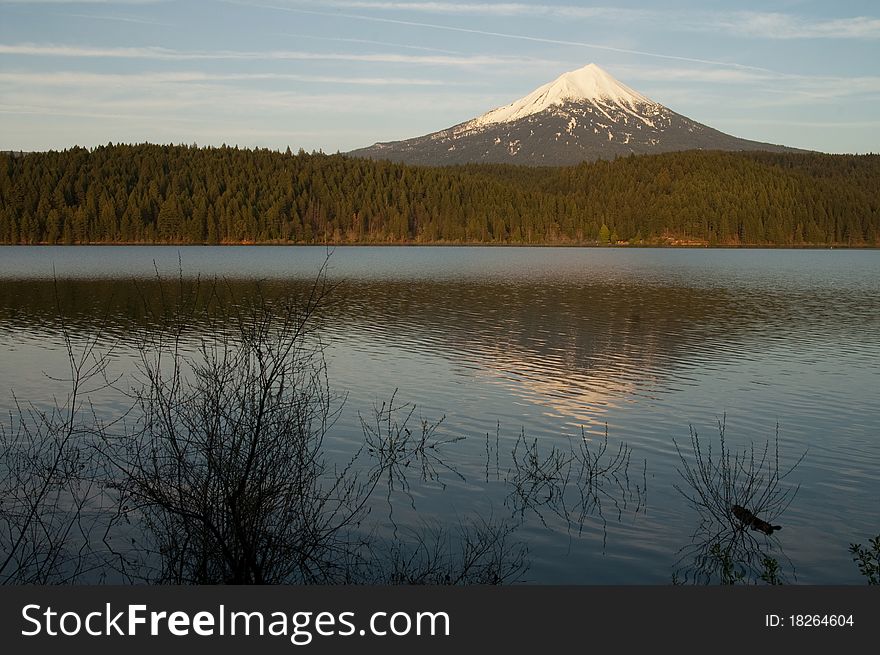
x: 453, y: 244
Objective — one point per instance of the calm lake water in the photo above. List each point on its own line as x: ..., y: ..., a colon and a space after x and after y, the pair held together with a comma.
x: 552, y: 343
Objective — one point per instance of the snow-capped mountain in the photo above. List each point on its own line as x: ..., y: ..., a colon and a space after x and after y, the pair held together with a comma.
x: 584, y: 114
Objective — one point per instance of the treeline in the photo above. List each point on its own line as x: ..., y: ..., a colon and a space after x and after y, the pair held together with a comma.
x: 186, y: 194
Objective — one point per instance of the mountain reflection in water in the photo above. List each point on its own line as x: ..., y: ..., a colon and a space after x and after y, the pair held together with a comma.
x: 547, y: 342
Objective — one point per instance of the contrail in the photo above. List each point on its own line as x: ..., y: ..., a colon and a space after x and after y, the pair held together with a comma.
x: 503, y: 35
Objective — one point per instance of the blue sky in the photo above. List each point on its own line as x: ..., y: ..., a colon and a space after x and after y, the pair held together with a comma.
x: 340, y: 74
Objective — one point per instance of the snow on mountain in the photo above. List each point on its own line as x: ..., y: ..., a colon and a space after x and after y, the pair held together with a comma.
x: 582, y: 115
x: 588, y: 84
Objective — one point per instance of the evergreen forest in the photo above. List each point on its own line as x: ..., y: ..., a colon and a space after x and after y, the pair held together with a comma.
x: 188, y: 194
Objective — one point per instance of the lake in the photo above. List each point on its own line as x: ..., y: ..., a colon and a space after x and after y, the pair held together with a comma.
x: 545, y: 346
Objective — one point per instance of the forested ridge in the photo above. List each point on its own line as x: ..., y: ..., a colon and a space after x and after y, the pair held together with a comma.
x: 186, y: 194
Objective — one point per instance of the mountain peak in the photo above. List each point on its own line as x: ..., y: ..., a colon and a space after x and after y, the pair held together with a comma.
x: 592, y: 83
x: 582, y: 115
x: 588, y: 84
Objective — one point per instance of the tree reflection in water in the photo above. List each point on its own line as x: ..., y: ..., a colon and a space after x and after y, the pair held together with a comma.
x: 216, y: 471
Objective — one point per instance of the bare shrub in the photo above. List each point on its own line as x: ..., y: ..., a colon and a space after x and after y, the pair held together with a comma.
x: 225, y: 467
x: 50, y: 495
x: 476, y: 552
x: 398, y: 450
x: 216, y: 470
x: 571, y: 482
x: 719, y: 486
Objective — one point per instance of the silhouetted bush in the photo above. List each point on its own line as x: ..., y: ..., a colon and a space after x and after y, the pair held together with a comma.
x: 216, y: 470
x: 734, y: 492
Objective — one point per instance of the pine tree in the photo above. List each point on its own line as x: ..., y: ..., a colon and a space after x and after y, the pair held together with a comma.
x: 169, y: 220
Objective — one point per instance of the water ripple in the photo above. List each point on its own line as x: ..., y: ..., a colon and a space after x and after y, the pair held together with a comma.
x: 548, y: 342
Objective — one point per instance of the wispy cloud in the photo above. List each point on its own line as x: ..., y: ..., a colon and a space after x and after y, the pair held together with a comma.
x: 83, y: 2
x: 104, y: 80
x: 700, y: 75
x: 767, y: 25
x: 118, y: 19
x: 751, y: 24
x: 797, y: 123
x: 236, y: 103
x: 476, y: 8
x: 384, y: 44
x: 682, y: 87
x: 794, y: 88
x: 194, y: 94
x: 815, y: 91
x: 157, y: 53
x: 504, y: 35
x: 190, y: 121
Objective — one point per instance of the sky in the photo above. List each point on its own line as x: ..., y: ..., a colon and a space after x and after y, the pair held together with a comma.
x: 334, y: 75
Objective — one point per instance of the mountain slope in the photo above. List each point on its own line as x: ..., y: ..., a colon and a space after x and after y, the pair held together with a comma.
x: 584, y: 114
